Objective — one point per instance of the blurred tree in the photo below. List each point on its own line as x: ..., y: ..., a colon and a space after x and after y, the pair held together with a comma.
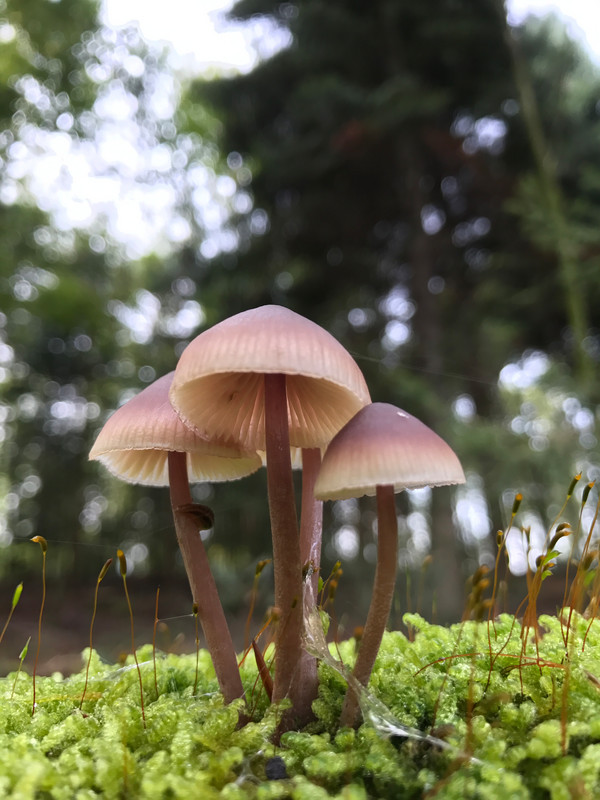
x: 399, y: 198
x: 381, y: 174
x: 80, y: 328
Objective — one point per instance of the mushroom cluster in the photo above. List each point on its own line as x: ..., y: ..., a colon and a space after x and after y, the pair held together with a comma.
x: 269, y: 386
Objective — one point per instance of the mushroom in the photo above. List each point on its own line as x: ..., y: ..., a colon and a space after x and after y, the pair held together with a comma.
x: 382, y: 450
x: 145, y: 442
x: 270, y: 379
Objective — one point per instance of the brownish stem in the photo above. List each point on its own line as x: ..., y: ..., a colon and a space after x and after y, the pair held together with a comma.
x: 381, y: 598
x: 287, y: 564
x: 102, y: 574
x: 311, y: 531
x: 39, y: 640
x: 123, y: 565
x: 263, y: 670
x: 204, y: 590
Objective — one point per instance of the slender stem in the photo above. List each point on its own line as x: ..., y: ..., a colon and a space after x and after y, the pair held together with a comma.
x: 203, y: 586
x: 154, y: 640
x: 287, y: 565
x: 311, y: 530
x: 103, y: 572
x: 263, y: 670
x: 195, y: 612
x: 11, y: 612
x: 22, y: 657
x: 381, y: 599
x: 123, y: 566
x: 311, y: 515
x: 15, y: 600
x: 43, y: 544
x: 259, y: 568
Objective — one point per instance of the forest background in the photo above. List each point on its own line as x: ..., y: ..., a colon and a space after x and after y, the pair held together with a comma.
x: 423, y: 180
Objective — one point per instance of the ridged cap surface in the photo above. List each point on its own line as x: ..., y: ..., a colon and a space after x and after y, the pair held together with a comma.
x: 135, y: 441
x: 385, y: 446
x: 219, y: 386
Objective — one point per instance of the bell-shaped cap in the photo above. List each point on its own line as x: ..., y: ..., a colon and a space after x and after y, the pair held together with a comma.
x: 136, y: 439
x: 384, y: 446
x: 219, y: 385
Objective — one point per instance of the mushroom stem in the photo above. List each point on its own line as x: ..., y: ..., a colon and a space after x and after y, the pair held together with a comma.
x: 202, y: 583
x: 287, y: 565
x: 311, y: 515
x: 381, y: 598
x: 311, y: 530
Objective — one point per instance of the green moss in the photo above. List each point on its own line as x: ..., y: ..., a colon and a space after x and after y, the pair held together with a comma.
x: 512, y: 726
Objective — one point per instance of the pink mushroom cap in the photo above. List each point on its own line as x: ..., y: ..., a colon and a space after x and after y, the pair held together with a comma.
x: 135, y: 441
x: 385, y: 446
x: 219, y: 386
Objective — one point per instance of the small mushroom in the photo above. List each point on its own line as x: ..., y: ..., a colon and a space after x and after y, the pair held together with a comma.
x: 270, y: 379
x: 382, y: 450
x: 145, y: 442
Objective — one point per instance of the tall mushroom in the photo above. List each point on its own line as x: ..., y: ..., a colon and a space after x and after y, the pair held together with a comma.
x: 145, y: 442
x: 382, y: 450
x: 269, y: 378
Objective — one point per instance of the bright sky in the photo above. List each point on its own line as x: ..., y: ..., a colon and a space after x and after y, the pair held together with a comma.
x: 201, y: 36
x: 197, y: 30
x: 582, y: 18
x: 87, y: 185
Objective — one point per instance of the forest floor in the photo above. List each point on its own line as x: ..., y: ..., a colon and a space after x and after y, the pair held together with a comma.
x: 66, y: 624
x: 68, y: 609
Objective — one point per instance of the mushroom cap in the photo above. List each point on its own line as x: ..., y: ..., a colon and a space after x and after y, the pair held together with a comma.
x: 385, y: 446
x: 219, y: 386
x: 135, y: 441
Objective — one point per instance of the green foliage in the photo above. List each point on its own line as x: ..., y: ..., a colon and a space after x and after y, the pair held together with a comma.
x: 45, y: 49
x: 65, y: 295
x: 530, y: 727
